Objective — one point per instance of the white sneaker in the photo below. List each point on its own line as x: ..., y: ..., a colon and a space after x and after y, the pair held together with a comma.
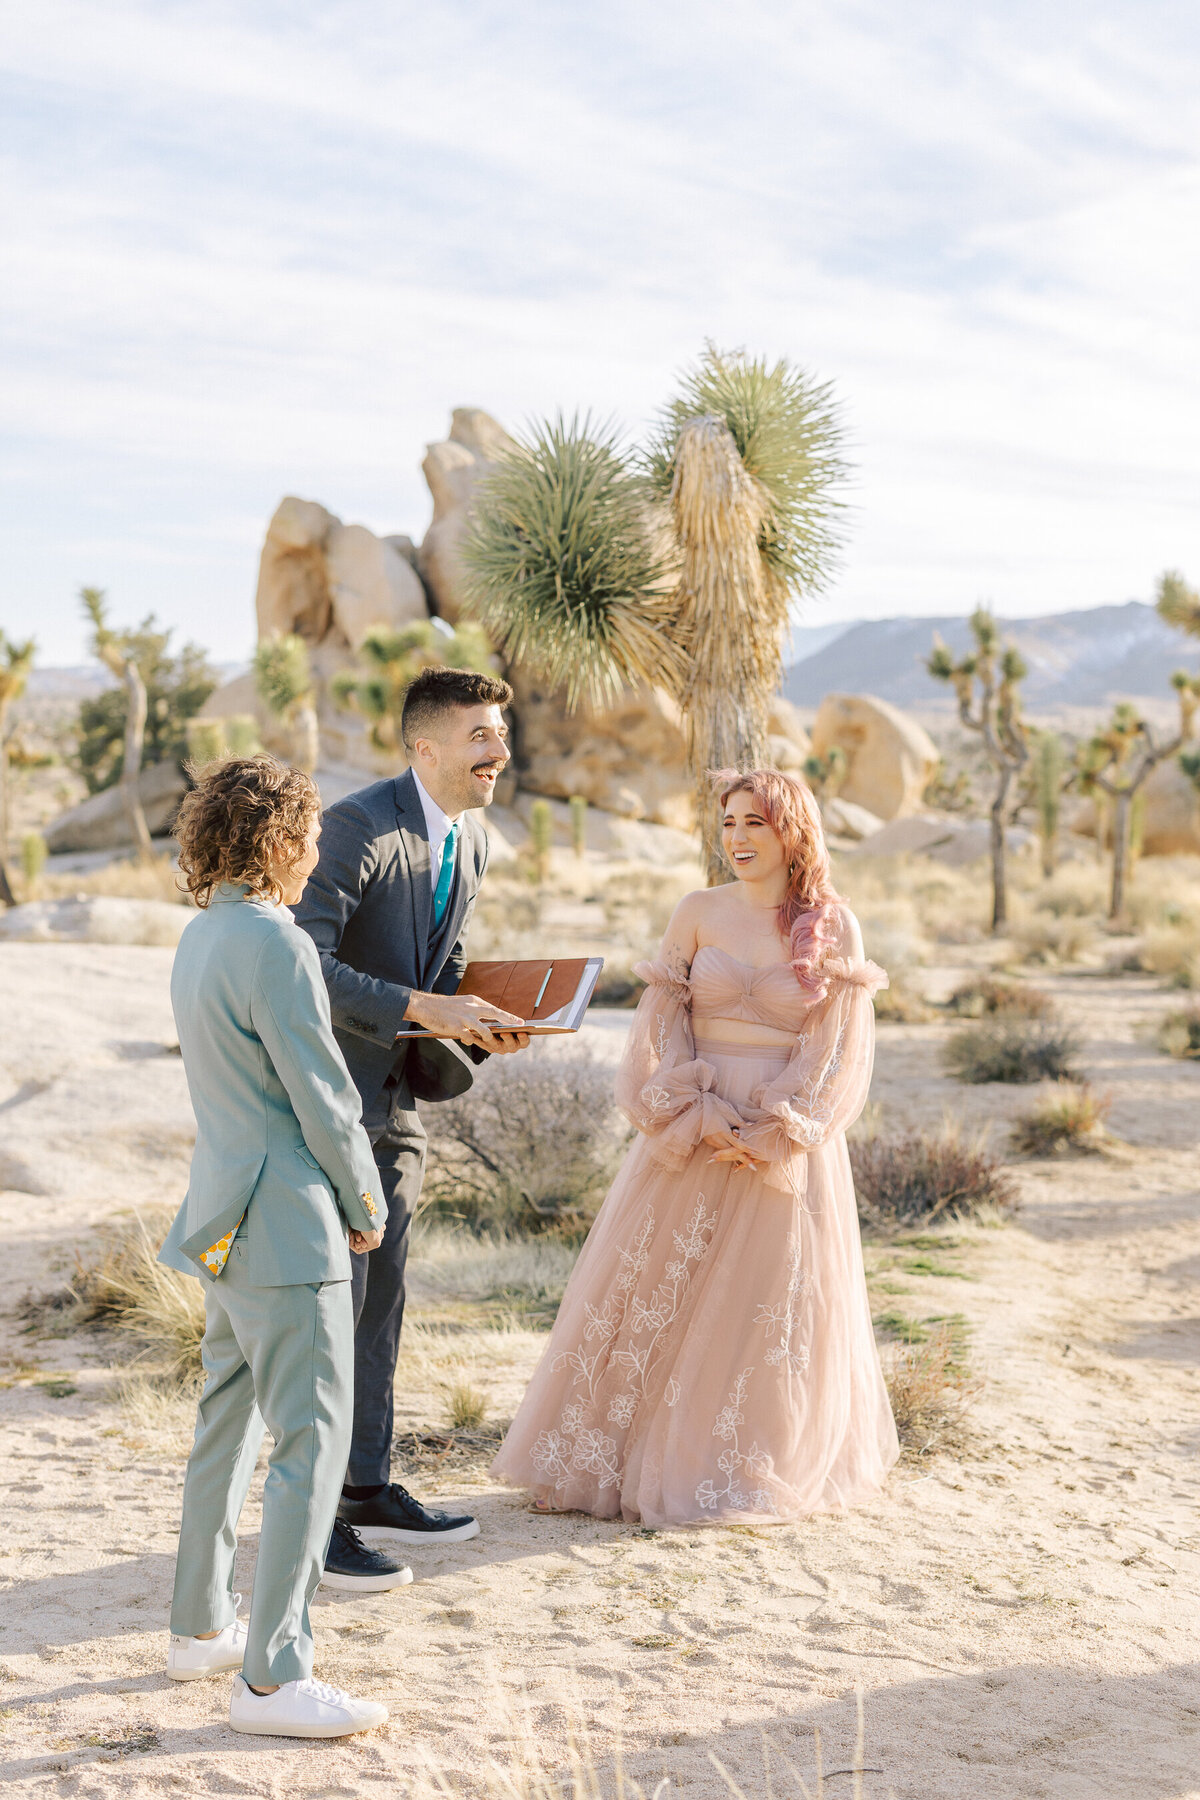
x: 305, y: 1709
x: 191, y: 1659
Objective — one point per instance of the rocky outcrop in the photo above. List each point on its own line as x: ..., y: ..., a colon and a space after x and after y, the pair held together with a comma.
x: 327, y: 581
x: 890, y: 758
x: 100, y: 822
x: 628, y: 759
x: 453, y: 470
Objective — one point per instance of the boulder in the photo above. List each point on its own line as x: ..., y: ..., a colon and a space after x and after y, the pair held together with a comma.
x: 890, y: 758
x: 99, y: 822
x: 843, y: 819
x: 324, y: 580
x: 453, y: 470
x: 628, y: 759
x: 608, y: 835
x: 1170, y: 812
x: 788, y: 743
x: 95, y: 919
x: 908, y: 837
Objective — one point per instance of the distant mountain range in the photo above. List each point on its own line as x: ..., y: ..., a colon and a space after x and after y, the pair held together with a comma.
x: 1086, y: 658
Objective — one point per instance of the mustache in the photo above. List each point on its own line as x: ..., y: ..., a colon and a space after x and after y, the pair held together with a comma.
x: 492, y: 762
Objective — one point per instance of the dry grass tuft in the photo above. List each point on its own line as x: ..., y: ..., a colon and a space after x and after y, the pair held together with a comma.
x: 466, y: 1407
x: 900, y: 1004
x: 1172, y: 952
x: 1069, y: 1120
x: 924, y: 1175
x: 1042, y: 937
x: 988, y: 997
x: 1076, y: 890
x: 929, y: 1390
x: 1013, y: 1050
x: 120, y: 879
x: 1179, y: 1033
x: 162, y: 1310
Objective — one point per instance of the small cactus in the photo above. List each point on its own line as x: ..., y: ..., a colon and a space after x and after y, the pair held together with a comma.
x: 33, y: 860
x: 541, y: 836
x: 579, y: 807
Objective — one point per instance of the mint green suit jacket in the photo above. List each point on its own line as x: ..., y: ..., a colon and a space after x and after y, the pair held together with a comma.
x: 279, y: 1136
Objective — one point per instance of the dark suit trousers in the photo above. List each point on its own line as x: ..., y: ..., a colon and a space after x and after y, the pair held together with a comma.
x: 398, y: 1140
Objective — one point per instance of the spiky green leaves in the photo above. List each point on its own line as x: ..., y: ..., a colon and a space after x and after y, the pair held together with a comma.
x: 562, y: 570
x: 393, y: 661
x: 789, y: 437
x: 1178, y: 603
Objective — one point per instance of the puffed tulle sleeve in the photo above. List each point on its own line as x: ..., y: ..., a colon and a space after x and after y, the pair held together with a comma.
x: 824, y: 1086
x: 662, y: 1087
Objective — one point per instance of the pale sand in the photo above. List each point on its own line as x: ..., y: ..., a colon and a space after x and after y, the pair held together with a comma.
x: 1022, y: 1617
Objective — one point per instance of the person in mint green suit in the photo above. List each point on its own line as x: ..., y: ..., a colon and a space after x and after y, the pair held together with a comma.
x: 283, y: 1188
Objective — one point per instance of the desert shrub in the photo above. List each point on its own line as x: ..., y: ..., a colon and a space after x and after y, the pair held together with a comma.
x: 1004, y: 1048
x: 1179, y: 1033
x: 1164, y: 890
x: 1172, y: 952
x: 618, y: 985
x: 124, y: 877
x: 1044, y: 937
x: 1076, y: 890
x: 1069, y: 1118
x: 900, y: 1004
x: 923, y: 1174
x: 536, y: 1141
x: 124, y: 1285
x: 638, y: 904
x: 507, y: 917
x: 929, y: 1390
x: 176, y: 688
x: 987, y: 996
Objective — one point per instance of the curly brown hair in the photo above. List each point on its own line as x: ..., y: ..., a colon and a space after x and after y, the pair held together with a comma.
x: 245, y: 815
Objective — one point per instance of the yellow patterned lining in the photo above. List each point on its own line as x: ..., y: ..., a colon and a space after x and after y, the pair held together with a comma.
x: 217, y: 1255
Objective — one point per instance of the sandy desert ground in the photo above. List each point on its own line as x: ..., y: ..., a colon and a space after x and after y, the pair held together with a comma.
x: 1022, y: 1615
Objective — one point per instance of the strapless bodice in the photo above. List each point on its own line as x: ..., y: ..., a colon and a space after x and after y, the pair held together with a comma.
x: 724, y: 988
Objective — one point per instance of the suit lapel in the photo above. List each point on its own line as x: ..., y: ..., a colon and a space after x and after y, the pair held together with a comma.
x: 410, y: 819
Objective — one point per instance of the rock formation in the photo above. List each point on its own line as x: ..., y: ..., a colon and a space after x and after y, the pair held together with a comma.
x: 890, y: 758
x: 100, y: 822
x: 327, y: 581
x: 1171, y: 812
x: 454, y: 470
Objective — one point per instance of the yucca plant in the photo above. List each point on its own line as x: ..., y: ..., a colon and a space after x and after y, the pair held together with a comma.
x: 284, y: 681
x: 1113, y: 764
x: 746, y: 456
x: 394, y: 659
x: 562, y: 568
x: 117, y: 650
x: 16, y: 660
x: 1048, y: 778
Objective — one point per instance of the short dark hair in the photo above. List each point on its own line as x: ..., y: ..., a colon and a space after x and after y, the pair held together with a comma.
x: 244, y: 815
x: 438, y: 691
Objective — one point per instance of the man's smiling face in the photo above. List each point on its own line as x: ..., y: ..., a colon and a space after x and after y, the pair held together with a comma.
x: 460, y: 766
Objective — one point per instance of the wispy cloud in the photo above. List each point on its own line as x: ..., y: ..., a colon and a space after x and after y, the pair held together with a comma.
x: 257, y: 249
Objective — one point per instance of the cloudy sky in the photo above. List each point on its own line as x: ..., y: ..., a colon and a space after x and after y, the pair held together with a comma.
x: 256, y: 249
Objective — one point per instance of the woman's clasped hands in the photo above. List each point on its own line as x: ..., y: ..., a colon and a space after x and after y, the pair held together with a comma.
x: 727, y: 1147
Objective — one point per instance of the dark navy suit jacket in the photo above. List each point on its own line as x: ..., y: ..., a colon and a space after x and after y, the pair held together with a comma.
x: 368, y: 907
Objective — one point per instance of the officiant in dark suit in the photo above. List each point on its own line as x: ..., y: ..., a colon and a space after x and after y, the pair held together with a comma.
x: 388, y: 907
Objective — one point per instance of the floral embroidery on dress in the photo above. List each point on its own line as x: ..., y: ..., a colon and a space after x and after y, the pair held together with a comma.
x: 576, y: 1445
x: 735, y: 1462
x: 785, y: 1318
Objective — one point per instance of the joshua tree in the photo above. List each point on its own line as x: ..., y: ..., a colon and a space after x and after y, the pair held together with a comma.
x: 1048, y: 778
x: 16, y: 660
x: 1116, y: 761
x: 394, y: 659
x: 995, y: 713
x: 283, y: 678
x: 746, y: 457
x: 117, y: 651
x: 679, y: 576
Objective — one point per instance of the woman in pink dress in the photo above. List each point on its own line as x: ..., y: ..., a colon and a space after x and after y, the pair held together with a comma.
x: 713, y: 1357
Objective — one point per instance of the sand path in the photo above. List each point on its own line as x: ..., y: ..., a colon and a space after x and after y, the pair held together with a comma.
x: 1023, y: 1618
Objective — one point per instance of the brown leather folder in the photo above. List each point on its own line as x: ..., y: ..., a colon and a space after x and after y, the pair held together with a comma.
x: 535, y: 991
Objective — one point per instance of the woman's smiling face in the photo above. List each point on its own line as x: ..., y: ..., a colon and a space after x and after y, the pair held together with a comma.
x: 753, y: 851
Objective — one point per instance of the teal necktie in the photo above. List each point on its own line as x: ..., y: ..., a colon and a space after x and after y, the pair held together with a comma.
x: 441, y: 893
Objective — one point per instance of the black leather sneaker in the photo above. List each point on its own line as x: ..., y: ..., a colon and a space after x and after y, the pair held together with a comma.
x: 353, y: 1567
x: 392, y: 1516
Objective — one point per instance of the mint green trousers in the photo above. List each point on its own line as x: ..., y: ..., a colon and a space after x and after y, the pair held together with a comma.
x: 283, y: 1357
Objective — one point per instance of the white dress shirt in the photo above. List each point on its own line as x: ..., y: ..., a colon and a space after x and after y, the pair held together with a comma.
x: 437, y: 828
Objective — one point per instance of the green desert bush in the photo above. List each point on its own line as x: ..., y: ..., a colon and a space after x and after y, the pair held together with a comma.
x: 1068, y: 1120
x: 536, y: 1142
x: 1004, y: 1048
x: 925, y: 1174
x: 988, y: 996
x: 1179, y: 1033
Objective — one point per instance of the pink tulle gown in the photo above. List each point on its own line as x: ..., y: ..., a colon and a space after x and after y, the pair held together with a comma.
x: 713, y: 1357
